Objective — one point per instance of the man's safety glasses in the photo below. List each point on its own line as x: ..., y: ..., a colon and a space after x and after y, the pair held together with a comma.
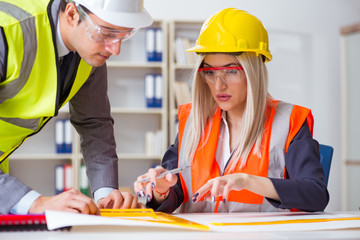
x: 100, y: 34
x: 228, y: 75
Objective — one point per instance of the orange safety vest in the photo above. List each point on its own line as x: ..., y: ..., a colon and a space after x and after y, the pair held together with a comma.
x: 282, y: 124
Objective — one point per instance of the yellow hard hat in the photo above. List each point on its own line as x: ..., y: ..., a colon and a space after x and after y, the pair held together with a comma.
x: 233, y: 30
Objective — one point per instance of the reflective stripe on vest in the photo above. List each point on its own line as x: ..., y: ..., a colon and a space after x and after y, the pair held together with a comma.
x: 272, y: 163
x: 28, y: 28
x: 29, y: 95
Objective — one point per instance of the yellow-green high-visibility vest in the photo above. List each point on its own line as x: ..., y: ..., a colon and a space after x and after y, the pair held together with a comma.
x: 30, y: 92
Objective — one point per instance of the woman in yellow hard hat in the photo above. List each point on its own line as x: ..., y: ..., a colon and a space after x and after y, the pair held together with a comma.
x: 245, y: 150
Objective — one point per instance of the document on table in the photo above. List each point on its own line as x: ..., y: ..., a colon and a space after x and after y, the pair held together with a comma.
x: 219, y: 222
x: 129, y: 218
x: 275, y: 221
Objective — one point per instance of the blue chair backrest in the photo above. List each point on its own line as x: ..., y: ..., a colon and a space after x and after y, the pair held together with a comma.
x: 326, y: 153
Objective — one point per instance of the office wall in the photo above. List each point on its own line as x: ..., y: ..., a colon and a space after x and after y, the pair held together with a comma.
x: 306, y: 68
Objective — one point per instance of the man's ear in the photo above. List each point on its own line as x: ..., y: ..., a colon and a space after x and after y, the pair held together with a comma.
x: 71, y: 14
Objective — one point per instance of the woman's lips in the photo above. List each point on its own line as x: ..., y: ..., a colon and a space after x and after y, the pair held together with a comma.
x: 223, y: 97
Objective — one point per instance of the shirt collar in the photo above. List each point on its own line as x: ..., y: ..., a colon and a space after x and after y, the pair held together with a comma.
x: 224, y: 124
x: 60, y: 45
x: 223, y: 115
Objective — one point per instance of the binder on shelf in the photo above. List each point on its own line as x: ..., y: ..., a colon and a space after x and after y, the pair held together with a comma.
x: 158, y: 44
x: 158, y: 142
x: 158, y: 90
x: 59, y: 178
x: 153, y: 143
x: 149, y: 143
x: 150, y: 90
x: 63, y: 136
x: 182, y: 92
x: 189, y: 56
x: 64, y: 178
x: 182, y: 57
x: 68, y: 180
x: 150, y: 44
x: 68, y: 138
x: 179, y: 51
x: 59, y: 136
x: 84, y: 181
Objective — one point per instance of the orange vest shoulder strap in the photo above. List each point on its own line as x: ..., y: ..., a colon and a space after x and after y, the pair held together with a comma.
x: 298, y: 116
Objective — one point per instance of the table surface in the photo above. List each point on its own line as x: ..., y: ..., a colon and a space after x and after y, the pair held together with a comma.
x: 110, y: 233
x: 158, y: 233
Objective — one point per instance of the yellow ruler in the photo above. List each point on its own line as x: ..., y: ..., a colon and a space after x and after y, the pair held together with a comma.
x: 148, y: 215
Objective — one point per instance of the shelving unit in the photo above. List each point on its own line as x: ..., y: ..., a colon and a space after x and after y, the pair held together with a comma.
x: 179, y: 71
x: 132, y: 119
x: 126, y: 76
x: 37, y: 157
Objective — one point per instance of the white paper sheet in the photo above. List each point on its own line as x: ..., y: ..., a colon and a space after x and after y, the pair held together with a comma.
x: 209, y: 218
x: 56, y: 219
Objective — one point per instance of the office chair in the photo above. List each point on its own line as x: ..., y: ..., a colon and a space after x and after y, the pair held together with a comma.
x: 326, y: 153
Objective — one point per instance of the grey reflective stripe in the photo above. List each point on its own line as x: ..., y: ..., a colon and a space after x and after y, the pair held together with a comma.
x: 27, y: 23
x: 202, y: 206
x: 31, y: 124
x: 279, y: 135
x: 184, y: 160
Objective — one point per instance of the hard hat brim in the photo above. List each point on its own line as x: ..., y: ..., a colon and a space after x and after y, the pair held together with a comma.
x: 127, y: 19
x: 204, y: 50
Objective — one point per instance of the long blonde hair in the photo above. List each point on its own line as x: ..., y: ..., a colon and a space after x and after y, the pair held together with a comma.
x: 253, y: 121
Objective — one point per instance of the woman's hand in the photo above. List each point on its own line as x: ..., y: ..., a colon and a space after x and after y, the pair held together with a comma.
x: 221, y: 186
x: 155, y: 187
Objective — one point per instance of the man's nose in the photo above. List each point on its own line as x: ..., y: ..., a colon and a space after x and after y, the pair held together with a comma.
x: 114, y: 48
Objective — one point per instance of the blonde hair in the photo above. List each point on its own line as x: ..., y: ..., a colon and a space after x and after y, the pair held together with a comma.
x: 253, y: 121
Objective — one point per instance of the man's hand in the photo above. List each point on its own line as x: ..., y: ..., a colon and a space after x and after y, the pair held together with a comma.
x: 69, y: 201
x: 117, y: 200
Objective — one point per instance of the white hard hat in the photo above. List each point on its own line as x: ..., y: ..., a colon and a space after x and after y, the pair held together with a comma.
x: 123, y: 13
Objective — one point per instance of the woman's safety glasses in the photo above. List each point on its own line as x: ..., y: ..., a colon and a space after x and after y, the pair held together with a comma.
x: 228, y: 75
x: 100, y: 34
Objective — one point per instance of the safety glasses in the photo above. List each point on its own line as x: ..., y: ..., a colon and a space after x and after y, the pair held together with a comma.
x: 228, y: 75
x: 100, y: 34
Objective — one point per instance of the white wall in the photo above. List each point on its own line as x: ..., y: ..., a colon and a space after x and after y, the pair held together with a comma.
x: 306, y: 68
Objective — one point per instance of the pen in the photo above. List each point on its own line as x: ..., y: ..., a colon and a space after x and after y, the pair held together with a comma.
x: 161, y: 175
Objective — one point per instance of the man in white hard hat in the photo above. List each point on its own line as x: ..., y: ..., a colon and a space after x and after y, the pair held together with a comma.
x: 53, y: 52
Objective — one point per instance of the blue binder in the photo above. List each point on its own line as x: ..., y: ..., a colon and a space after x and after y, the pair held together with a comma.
x: 68, y: 136
x: 158, y: 91
x: 59, y: 136
x: 150, y: 90
x: 59, y: 178
x: 158, y: 44
x: 150, y: 44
